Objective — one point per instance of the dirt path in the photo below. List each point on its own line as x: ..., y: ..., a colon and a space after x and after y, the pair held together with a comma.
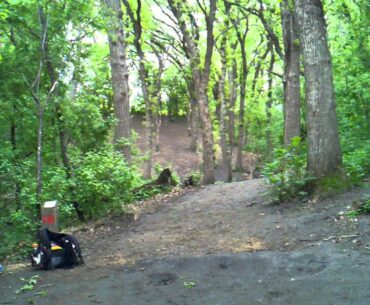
x: 174, y: 149
x: 175, y: 153
x: 226, y: 242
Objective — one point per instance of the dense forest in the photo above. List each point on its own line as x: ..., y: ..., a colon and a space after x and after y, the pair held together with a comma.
x: 285, y: 80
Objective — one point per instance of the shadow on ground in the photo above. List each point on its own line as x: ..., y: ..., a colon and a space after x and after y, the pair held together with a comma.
x: 317, y: 276
x: 217, y: 245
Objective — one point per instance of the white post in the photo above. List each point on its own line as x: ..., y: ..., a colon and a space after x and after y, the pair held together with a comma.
x: 49, y: 214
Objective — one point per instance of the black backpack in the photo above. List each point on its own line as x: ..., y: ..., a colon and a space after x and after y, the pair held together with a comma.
x: 56, y: 250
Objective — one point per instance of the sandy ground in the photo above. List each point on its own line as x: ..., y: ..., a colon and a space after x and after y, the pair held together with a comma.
x: 220, y: 244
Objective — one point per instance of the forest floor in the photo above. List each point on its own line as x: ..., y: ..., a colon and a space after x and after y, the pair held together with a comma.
x: 222, y: 244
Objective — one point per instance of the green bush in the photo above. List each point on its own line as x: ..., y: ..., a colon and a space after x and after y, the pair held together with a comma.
x: 287, y: 174
x: 17, y: 232
x: 102, y: 181
x: 363, y: 208
x: 357, y: 163
x: 197, y: 177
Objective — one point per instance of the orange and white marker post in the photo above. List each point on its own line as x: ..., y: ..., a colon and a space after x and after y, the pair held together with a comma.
x: 49, y: 215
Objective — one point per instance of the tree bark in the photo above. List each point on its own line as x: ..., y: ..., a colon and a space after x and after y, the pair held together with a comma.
x: 269, y: 103
x: 243, y: 85
x: 233, y: 96
x: 40, y: 119
x: 292, y: 116
x: 143, y: 75
x: 207, y: 136
x: 157, y: 117
x: 200, y: 80
x: 225, y: 96
x: 120, y: 86
x: 13, y: 141
x: 324, y: 154
x: 194, y: 118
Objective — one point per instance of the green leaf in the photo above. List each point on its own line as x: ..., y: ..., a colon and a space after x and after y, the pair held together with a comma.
x: 189, y: 284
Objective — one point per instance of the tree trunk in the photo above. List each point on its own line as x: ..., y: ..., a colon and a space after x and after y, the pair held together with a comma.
x: 194, y: 116
x: 157, y: 117
x: 119, y: 71
x: 40, y: 119
x: 241, y: 121
x: 200, y: 78
x: 143, y: 75
x: 243, y: 83
x: 233, y: 96
x: 148, y: 119
x: 292, y: 117
x: 224, y: 106
x: 13, y: 141
x: 324, y: 154
x: 269, y: 104
x: 194, y: 119
x: 207, y: 135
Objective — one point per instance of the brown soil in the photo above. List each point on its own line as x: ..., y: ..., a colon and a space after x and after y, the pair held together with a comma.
x: 175, y: 153
x: 202, y: 235
x: 297, y: 253
x: 174, y: 145
x: 221, y: 218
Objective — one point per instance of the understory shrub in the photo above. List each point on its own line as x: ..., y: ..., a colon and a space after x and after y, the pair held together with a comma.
x: 17, y: 232
x: 287, y: 173
x: 102, y: 181
x: 356, y: 163
x: 362, y: 207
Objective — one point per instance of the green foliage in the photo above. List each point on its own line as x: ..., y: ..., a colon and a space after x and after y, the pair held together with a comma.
x: 29, y: 284
x: 356, y: 162
x: 189, y: 284
x: 197, y: 177
x: 365, y: 208
x: 287, y: 174
x: 102, y: 181
x: 362, y: 208
x: 349, y: 26
x: 82, y: 105
x: 146, y: 193
x: 16, y: 235
x: 333, y: 184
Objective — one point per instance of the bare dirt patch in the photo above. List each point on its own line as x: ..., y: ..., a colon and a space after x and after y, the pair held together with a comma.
x: 225, y: 218
x: 224, y: 239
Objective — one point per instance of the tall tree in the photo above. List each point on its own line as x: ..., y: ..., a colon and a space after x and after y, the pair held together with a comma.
x: 53, y: 77
x: 225, y: 97
x: 242, y: 36
x: 200, y: 74
x: 135, y: 17
x: 269, y: 101
x: 157, y: 96
x: 41, y: 104
x: 119, y: 71
x: 292, y: 117
x: 232, y: 79
x: 324, y: 153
